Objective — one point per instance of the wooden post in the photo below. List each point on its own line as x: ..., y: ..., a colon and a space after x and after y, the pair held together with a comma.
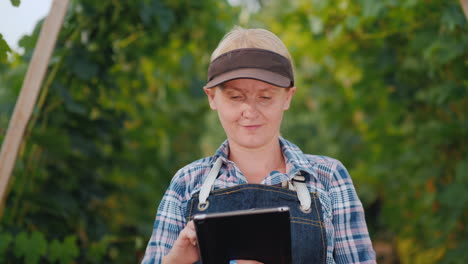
x: 29, y: 91
x: 464, y: 4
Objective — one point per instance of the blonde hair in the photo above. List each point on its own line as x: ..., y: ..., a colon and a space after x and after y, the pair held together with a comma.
x: 239, y: 38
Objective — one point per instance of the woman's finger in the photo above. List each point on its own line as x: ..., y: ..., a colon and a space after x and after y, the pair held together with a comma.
x: 191, y: 233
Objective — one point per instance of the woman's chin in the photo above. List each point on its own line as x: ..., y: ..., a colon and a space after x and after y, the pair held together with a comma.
x: 251, y: 142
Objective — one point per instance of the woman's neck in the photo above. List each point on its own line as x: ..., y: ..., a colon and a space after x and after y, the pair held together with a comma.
x: 257, y: 163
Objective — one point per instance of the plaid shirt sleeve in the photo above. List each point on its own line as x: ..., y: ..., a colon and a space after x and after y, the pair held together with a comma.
x: 170, y: 220
x: 352, y: 242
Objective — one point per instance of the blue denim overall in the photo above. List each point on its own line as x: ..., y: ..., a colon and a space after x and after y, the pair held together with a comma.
x: 308, y: 236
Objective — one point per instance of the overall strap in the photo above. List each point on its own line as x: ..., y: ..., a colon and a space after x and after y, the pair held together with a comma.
x: 303, y: 194
x: 209, y: 181
x: 298, y: 182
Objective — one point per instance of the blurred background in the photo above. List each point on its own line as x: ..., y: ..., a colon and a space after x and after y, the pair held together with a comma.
x: 382, y: 86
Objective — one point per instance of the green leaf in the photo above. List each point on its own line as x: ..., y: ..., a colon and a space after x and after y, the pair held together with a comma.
x: 27, y: 42
x: 99, y: 249
x: 15, y: 2
x: 371, y: 8
x: 64, y: 252
x: 452, y: 16
x: 5, y: 239
x: 37, y: 248
x: 84, y: 68
x: 55, y: 250
x: 31, y: 248
x: 21, y: 244
x: 316, y: 24
x: 4, y: 49
x: 156, y: 10
x: 352, y: 22
x: 68, y: 99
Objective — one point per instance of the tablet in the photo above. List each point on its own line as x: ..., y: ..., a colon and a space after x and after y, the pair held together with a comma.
x: 262, y: 234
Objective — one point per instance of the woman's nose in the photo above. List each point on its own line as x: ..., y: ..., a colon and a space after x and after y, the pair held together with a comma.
x: 249, y: 110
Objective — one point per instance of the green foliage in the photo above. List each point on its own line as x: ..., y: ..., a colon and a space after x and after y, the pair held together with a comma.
x: 382, y: 86
x: 64, y: 252
x: 98, y: 250
x: 5, y: 240
x: 15, y: 2
x: 114, y: 121
x: 4, y: 49
x: 32, y: 247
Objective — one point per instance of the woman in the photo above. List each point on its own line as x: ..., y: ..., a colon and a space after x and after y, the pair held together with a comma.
x: 250, y: 85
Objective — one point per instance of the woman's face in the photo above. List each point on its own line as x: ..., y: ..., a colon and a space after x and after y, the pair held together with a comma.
x: 250, y: 111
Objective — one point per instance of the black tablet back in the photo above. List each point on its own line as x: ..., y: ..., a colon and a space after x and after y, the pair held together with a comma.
x: 263, y: 235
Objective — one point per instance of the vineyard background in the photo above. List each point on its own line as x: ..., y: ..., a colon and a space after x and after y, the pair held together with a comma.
x: 382, y: 86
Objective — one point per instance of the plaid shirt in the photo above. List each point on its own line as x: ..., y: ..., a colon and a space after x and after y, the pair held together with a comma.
x: 347, y: 236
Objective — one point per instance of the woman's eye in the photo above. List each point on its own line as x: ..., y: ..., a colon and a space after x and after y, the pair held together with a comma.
x: 265, y: 97
x: 236, y: 97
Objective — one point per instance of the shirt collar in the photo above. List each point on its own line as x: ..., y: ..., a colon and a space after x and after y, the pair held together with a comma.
x: 296, y: 162
x: 223, y: 151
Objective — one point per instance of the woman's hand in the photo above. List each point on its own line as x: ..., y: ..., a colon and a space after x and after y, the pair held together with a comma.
x: 185, y: 249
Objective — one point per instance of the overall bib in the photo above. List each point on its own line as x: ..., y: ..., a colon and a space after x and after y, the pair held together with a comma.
x: 308, y: 236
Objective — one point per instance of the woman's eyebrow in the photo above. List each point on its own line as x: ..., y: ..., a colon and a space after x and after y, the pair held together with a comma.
x: 267, y: 89
x: 230, y: 86
x: 233, y: 88
x: 270, y: 89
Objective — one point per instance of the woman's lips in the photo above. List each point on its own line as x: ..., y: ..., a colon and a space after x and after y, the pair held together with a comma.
x: 252, y: 127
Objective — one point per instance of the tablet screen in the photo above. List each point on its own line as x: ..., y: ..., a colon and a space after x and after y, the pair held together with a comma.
x: 262, y: 234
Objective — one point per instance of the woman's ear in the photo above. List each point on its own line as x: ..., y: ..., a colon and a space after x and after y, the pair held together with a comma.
x: 210, y: 93
x: 289, y: 94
